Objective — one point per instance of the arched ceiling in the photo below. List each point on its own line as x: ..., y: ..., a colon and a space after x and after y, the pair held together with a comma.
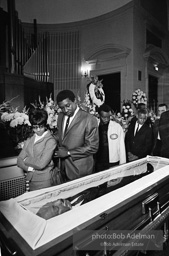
x: 64, y: 11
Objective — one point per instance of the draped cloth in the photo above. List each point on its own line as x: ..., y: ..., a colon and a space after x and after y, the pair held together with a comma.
x: 30, y: 226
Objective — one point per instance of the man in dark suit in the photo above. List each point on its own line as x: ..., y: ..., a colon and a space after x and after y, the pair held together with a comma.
x: 164, y: 133
x: 78, y: 137
x: 139, y: 137
x: 141, y: 106
x: 157, y: 143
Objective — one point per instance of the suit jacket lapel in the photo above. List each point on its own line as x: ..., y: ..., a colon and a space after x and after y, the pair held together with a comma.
x: 133, y: 129
x: 141, y: 130
x: 60, y: 127
x: 75, y: 120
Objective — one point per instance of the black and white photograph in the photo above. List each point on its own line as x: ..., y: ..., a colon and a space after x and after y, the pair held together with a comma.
x: 84, y: 127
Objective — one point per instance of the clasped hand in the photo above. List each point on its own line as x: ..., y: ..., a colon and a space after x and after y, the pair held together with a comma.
x: 61, y: 152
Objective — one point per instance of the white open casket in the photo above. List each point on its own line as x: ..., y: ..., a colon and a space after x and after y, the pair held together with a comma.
x: 133, y: 201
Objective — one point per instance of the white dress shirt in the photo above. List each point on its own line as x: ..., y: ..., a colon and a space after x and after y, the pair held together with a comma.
x: 70, y: 120
x: 137, y: 125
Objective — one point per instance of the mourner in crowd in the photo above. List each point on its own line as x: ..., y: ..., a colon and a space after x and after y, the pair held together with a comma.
x: 157, y: 143
x: 36, y: 156
x: 148, y: 120
x: 111, y: 150
x: 139, y: 137
x: 78, y: 137
x: 164, y: 133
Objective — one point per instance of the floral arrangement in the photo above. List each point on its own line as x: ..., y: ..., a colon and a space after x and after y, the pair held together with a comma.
x: 152, y: 115
x: 87, y: 106
x: 127, y: 110
x: 125, y: 116
x: 139, y: 96
x: 94, y: 96
x: 17, y: 124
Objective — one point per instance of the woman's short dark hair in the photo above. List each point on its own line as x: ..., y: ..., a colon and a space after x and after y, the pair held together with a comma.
x: 38, y: 117
x: 65, y: 94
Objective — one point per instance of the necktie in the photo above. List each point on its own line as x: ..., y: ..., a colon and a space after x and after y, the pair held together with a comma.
x: 137, y: 129
x: 67, y: 124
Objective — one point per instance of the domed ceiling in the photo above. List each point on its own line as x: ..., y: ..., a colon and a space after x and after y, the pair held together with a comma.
x: 64, y: 11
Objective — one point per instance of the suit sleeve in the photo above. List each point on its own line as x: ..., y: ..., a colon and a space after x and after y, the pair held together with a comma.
x: 141, y: 146
x: 146, y: 149
x: 39, y: 163
x: 22, y: 156
x: 128, y: 138
x: 91, y: 140
x: 164, y: 127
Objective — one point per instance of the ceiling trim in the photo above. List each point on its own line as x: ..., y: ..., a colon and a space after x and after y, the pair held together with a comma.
x: 107, y: 51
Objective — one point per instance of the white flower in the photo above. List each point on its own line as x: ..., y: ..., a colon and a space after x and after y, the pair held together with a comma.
x: 20, y: 120
x: 59, y: 110
x: 27, y: 122
x: 17, y: 114
x: 50, y: 110
x: 7, y: 117
x: 50, y: 102
x: 25, y: 116
x: 14, y: 123
x: 4, y: 116
x: 139, y: 97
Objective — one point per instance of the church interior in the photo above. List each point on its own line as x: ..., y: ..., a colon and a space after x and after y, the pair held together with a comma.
x: 47, y: 46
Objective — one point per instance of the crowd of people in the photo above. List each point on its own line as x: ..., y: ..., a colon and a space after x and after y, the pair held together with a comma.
x: 84, y: 146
